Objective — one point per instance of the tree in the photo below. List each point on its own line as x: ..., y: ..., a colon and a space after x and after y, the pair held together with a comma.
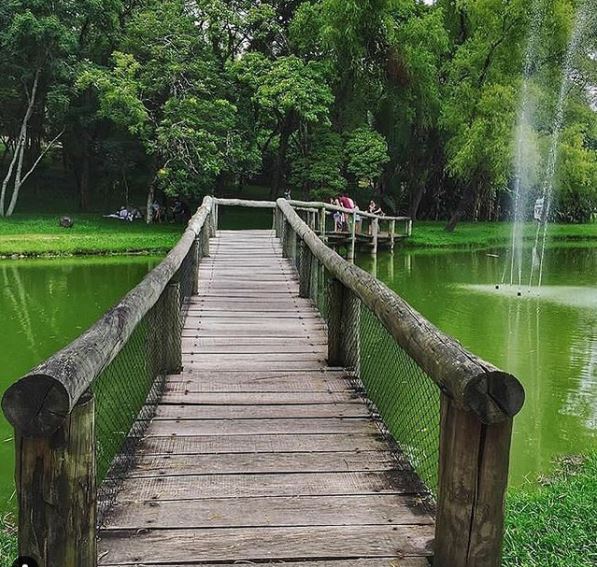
x: 290, y: 97
x: 167, y: 89
x: 36, y: 45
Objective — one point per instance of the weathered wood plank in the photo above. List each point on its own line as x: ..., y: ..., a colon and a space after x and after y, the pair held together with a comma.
x: 352, y: 562
x: 254, y: 485
x: 256, y: 463
x: 242, y: 316
x: 210, y: 445
x: 200, y: 359
x: 250, y: 345
x: 156, y: 547
x: 241, y: 362
x: 185, y: 411
x: 269, y: 512
x: 260, y: 398
x: 253, y: 331
x: 301, y: 426
x: 300, y: 382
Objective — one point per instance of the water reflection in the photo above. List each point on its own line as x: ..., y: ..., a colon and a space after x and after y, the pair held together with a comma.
x: 549, y: 341
x: 44, y: 305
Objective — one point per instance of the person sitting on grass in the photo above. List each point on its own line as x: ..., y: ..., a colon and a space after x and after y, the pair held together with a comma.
x: 125, y: 214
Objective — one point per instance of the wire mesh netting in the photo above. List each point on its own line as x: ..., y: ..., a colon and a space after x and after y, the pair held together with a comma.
x: 405, y: 397
x: 401, y: 396
x: 128, y: 389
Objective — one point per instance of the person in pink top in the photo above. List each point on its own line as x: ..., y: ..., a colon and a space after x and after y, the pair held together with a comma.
x: 347, y: 203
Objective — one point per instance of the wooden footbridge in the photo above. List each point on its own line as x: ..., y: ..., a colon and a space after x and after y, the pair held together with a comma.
x: 258, y: 400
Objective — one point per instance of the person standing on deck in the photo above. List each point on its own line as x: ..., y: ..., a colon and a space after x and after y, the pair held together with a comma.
x: 338, y: 216
x: 374, y: 209
x: 347, y: 203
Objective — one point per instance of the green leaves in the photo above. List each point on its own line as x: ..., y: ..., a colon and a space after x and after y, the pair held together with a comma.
x: 366, y: 154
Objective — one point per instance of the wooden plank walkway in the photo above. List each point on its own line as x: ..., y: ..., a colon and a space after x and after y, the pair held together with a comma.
x: 259, y: 453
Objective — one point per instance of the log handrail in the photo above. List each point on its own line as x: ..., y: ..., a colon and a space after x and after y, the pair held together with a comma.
x: 307, y: 206
x: 38, y: 404
x: 472, y: 383
x: 335, y: 208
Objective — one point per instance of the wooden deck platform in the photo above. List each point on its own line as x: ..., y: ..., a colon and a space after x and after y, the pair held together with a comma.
x: 259, y: 453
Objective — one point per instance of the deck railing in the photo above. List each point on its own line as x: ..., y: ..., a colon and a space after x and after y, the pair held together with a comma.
x: 449, y: 411
x: 79, y: 415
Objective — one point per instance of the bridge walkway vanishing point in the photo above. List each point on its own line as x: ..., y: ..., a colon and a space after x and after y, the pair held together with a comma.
x: 259, y: 452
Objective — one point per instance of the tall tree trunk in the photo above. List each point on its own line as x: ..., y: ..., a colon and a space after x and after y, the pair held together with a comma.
x: 17, y: 158
x: 467, y: 199
x: 280, y: 163
x: 415, y: 200
x: 150, y: 200
x: 85, y: 175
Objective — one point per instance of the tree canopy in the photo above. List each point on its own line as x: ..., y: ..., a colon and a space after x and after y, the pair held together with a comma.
x: 416, y: 103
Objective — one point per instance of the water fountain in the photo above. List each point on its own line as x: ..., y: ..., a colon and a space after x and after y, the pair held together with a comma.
x: 527, y: 157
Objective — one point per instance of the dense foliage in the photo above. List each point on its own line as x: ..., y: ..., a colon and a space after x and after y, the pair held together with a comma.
x: 413, y: 101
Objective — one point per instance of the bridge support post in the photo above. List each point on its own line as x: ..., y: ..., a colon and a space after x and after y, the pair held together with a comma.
x: 171, y: 325
x: 56, y: 491
x: 322, y: 223
x: 305, y: 273
x: 290, y: 238
x: 284, y: 229
x: 392, y: 235
x: 375, y: 232
x: 196, y: 255
x: 205, y: 236
x: 473, y: 476
x: 344, y: 325
x: 314, y: 287
x: 353, y: 237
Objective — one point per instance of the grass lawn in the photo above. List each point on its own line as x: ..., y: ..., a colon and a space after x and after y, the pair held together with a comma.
x: 40, y: 235
x: 8, y: 541
x: 555, y: 524
x: 482, y: 234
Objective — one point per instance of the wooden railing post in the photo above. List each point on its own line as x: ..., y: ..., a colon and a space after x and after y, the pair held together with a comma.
x: 211, y: 222
x: 205, y: 236
x: 56, y: 492
x: 285, y: 237
x: 291, y: 243
x: 344, y: 315
x: 314, y: 287
x: 353, y: 237
x: 305, y: 273
x: 171, y: 326
x: 322, y: 223
x: 473, y: 476
x: 392, y: 235
x: 375, y: 232
x: 196, y: 255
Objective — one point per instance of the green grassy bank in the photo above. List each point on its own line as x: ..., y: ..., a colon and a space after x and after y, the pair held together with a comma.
x: 485, y: 234
x: 41, y: 235
x: 554, y: 524
x: 8, y: 541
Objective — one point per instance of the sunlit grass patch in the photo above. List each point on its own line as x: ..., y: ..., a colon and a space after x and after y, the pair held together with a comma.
x: 554, y: 523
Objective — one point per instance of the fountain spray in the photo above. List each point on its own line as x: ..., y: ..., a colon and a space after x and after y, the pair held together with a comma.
x: 584, y: 21
x: 521, y: 178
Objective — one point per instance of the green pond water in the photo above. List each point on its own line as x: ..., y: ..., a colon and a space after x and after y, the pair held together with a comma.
x: 44, y: 305
x: 547, y: 338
